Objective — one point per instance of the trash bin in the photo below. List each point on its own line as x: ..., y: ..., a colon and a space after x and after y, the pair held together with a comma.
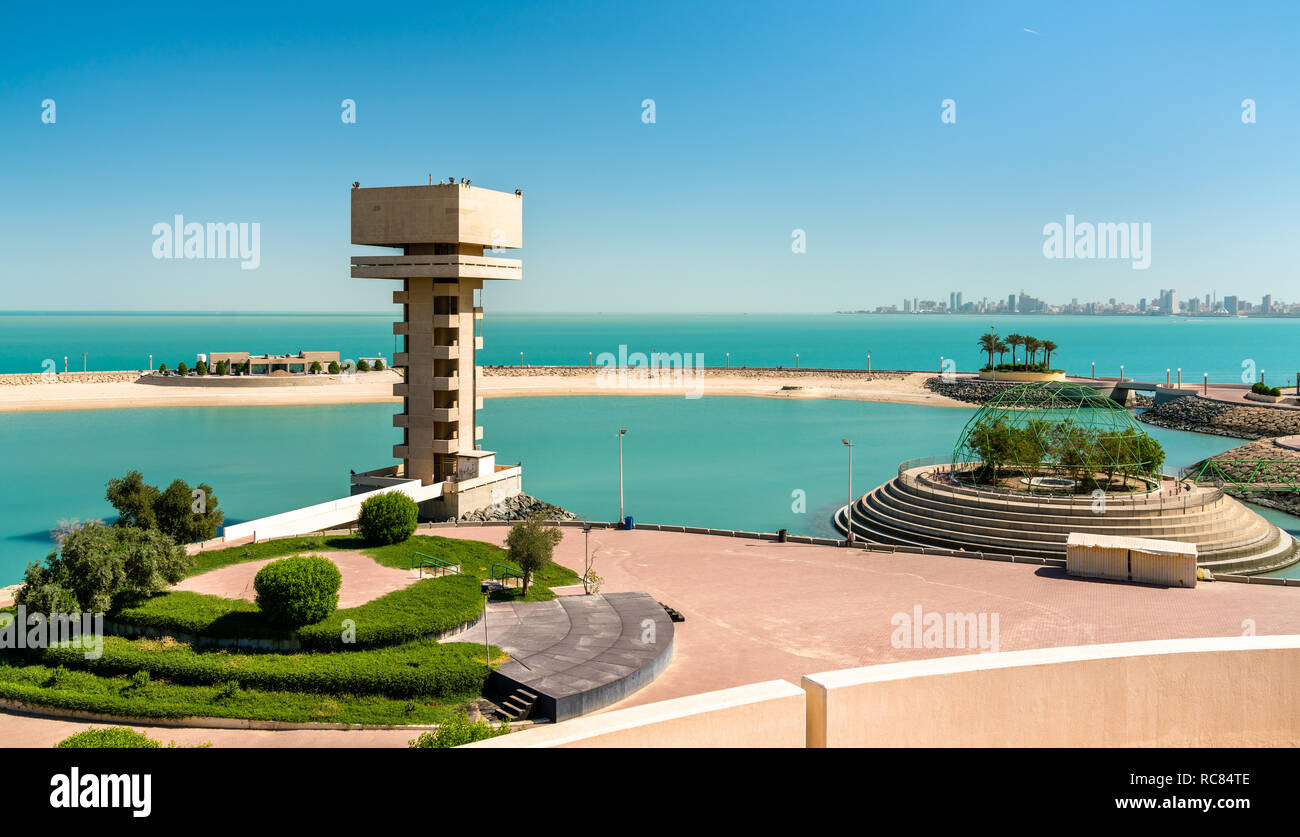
x: 627, y: 522
x: 780, y: 536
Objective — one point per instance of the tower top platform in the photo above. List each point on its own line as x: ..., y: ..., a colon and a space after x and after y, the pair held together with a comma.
x: 444, y: 213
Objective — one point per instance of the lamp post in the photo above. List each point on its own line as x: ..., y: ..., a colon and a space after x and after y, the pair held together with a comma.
x: 850, y: 529
x: 868, y: 362
x: 1205, y: 386
x: 621, y: 433
x: 1180, y: 377
x: 150, y: 363
x: 83, y: 361
x: 586, y: 558
x: 1094, y: 370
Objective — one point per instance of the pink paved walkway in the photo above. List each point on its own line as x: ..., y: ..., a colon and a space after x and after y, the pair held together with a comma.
x: 363, y: 579
x: 757, y: 610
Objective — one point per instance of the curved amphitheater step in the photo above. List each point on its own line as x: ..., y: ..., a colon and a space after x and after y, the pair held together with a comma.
x: 920, y: 511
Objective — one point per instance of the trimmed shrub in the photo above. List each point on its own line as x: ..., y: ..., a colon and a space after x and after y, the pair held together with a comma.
x: 201, y: 368
x: 114, y: 738
x: 387, y: 518
x: 334, y: 367
x: 223, y: 367
x: 1261, y: 388
x: 299, y: 590
x: 455, y: 731
x: 315, y: 367
x: 416, y: 669
x: 363, y: 365
x: 379, y: 365
x: 182, y: 369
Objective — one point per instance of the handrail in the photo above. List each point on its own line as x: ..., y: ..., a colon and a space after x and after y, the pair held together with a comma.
x: 506, y: 571
x: 447, y: 567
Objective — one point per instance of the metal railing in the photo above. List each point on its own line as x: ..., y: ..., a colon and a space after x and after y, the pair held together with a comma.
x: 1248, y: 474
x: 439, y: 566
x: 500, y: 572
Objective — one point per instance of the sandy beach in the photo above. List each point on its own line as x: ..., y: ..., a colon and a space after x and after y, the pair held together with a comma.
x: 496, y: 382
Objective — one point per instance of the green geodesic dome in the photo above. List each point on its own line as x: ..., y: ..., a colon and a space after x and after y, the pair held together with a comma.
x: 1056, y: 429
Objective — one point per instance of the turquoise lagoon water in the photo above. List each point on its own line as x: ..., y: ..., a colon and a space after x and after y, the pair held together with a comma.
x: 1146, y: 346
x: 720, y: 462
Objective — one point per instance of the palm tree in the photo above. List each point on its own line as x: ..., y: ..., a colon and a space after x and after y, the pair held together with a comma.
x: 989, y: 344
x: 1049, y: 347
x: 1001, y: 349
x: 1032, y: 345
x: 1014, y: 340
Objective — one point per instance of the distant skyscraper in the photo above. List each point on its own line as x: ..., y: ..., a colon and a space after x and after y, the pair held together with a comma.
x: 1142, y: 304
x: 1230, y: 304
x: 1011, y: 303
x: 1266, y: 306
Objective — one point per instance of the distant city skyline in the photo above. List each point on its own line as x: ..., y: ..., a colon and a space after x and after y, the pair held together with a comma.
x: 922, y: 146
x: 1165, y: 302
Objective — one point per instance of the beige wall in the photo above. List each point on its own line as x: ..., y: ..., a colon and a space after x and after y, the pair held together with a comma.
x: 1212, y: 692
x: 767, y: 714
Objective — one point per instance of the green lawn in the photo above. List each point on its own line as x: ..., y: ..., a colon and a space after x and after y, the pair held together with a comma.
x: 474, y: 558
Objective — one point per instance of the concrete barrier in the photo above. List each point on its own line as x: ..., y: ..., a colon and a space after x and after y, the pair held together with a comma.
x: 769, y: 714
x: 1209, y: 692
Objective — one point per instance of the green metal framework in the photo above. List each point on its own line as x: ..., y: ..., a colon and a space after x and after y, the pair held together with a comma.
x: 1055, y: 428
x: 1250, y: 474
x: 439, y: 566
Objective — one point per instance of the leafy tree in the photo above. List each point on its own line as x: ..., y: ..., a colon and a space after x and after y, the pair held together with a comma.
x: 172, y: 511
x: 315, y: 367
x: 201, y: 368
x: 162, y: 367
x: 182, y: 369
x: 531, y: 543
x: 223, y: 367
x: 134, y: 500
x: 334, y: 367
x: 379, y: 365
x: 363, y: 365
x: 184, y: 517
x: 97, y: 564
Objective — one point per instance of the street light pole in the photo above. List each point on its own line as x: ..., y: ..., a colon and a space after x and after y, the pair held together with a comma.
x: 621, y: 433
x: 850, y: 529
x: 586, y: 558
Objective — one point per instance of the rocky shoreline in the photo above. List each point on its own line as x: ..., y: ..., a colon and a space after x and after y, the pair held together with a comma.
x: 518, y: 507
x: 1203, y: 415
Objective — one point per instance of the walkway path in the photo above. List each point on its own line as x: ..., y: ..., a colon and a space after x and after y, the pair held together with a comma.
x: 363, y: 579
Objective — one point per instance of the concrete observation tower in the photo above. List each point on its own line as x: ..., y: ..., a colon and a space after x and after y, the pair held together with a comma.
x: 442, y: 231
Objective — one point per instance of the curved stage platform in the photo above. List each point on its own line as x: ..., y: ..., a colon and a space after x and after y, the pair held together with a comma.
x: 577, y: 654
x: 922, y: 508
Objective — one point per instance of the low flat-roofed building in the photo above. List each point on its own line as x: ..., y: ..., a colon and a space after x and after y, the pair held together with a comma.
x: 1147, y: 560
x: 270, y: 364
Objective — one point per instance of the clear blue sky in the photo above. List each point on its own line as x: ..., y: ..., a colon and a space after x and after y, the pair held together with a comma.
x: 770, y: 117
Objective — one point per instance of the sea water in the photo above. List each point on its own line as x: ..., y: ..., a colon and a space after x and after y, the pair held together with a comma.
x: 725, y: 462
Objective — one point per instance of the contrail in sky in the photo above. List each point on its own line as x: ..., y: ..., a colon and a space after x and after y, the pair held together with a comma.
x: 1030, y: 31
